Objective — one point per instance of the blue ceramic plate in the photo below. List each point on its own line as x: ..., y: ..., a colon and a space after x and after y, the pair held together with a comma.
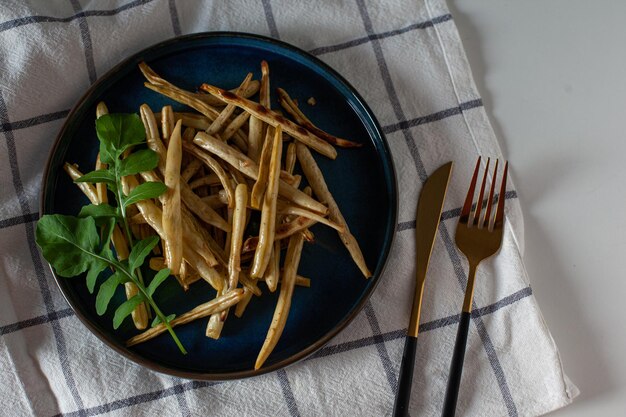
x: 362, y: 181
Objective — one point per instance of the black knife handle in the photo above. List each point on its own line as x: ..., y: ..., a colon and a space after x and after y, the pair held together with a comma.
x: 456, y: 368
x: 405, y: 380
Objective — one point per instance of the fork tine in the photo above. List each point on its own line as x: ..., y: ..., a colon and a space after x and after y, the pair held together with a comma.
x: 500, y: 210
x: 467, y: 207
x: 487, y: 218
x: 479, y: 202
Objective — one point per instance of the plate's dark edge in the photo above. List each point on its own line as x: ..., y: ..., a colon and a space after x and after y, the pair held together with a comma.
x: 321, y: 341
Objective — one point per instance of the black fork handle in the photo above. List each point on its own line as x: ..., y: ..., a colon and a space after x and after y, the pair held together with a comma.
x: 456, y: 367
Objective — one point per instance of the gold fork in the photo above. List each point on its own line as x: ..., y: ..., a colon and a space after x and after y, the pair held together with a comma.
x: 478, y: 237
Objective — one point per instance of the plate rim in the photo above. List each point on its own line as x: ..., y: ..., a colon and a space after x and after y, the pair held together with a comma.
x: 326, y: 337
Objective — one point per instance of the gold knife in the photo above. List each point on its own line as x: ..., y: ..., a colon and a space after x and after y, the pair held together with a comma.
x: 428, y: 215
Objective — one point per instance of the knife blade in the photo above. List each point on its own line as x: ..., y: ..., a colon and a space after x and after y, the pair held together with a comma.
x: 429, y: 207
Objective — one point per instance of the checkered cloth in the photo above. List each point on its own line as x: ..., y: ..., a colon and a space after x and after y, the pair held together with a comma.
x: 406, y: 58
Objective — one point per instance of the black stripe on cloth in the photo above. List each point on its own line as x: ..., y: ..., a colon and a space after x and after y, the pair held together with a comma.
x: 181, y: 397
x: 323, y: 352
x: 14, y: 221
x: 33, y: 121
x: 46, y: 318
x: 36, y: 260
x: 391, y: 90
x: 85, y: 36
x: 443, y: 114
x: 27, y: 20
x: 140, y: 399
x: 506, y: 301
x: 174, y: 18
x: 424, y: 327
x: 496, y: 367
x: 357, y: 344
x: 480, y: 326
x: 285, y: 386
x: 269, y: 18
x: 359, y: 41
x: 381, y: 347
x: 452, y: 213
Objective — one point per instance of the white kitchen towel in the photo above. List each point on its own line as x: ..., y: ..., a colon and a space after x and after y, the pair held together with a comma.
x: 406, y: 58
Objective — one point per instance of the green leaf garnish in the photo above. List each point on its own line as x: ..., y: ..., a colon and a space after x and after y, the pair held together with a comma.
x: 140, y: 251
x: 158, y: 280
x: 140, y: 161
x: 106, y: 292
x: 70, y: 244
x: 98, y: 211
x: 118, y: 132
x: 106, y: 230
x: 125, y: 309
x: 145, y: 191
x: 101, y: 175
x: 74, y: 245
x: 92, y: 275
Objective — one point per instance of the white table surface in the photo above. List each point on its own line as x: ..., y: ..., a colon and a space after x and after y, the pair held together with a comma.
x: 552, y: 75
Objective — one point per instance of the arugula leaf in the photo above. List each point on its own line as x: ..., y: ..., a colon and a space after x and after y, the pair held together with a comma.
x: 125, y: 309
x: 112, y: 188
x: 106, y: 230
x: 106, y: 292
x: 157, y: 280
x: 106, y: 217
x: 101, y: 175
x: 92, y: 274
x: 109, y: 137
x: 140, y: 251
x: 98, y: 211
x: 118, y: 132
x: 157, y: 320
x: 145, y: 191
x: 70, y: 244
x: 140, y: 161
